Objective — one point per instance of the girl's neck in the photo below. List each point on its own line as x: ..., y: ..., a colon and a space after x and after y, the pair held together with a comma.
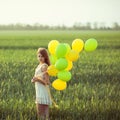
x: 41, y: 63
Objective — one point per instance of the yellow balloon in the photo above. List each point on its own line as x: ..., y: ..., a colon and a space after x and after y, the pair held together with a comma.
x: 77, y: 45
x: 70, y: 65
x: 52, y: 46
x: 52, y: 71
x: 72, y: 55
x: 59, y: 84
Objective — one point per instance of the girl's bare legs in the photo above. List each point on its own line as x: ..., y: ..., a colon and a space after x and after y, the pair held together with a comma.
x: 43, y: 111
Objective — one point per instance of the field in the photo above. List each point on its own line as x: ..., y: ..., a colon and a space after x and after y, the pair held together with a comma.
x: 93, y: 92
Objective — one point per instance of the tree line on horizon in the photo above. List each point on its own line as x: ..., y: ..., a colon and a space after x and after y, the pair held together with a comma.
x: 76, y: 26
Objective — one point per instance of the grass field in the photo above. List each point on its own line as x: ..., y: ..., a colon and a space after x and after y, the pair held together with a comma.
x: 93, y: 92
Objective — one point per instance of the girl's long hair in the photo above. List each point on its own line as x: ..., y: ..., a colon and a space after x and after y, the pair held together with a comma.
x: 44, y: 53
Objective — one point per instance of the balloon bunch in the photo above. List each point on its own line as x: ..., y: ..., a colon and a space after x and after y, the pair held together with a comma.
x: 62, y: 58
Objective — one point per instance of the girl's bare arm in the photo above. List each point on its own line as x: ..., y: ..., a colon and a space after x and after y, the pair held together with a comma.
x: 46, y: 78
x: 45, y: 74
x: 38, y: 79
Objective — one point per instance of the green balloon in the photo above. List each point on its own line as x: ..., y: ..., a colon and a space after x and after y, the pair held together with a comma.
x: 64, y: 75
x: 53, y: 59
x: 61, y: 50
x: 90, y: 45
x: 68, y: 47
x: 61, y: 64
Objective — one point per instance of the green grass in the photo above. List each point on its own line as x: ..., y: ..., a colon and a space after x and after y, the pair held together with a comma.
x: 34, y: 39
x: 93, y: 92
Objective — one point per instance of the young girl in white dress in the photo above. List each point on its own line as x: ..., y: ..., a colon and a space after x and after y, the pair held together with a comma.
x: 41, y: 80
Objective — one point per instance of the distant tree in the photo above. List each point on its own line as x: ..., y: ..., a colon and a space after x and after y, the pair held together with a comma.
x: 116, y: 26
x: 63, y: 27
x: 77, y: 26
x: 102, y: 26
x: 88, y: 26
x: 95, y: 25
x: 36, y: 26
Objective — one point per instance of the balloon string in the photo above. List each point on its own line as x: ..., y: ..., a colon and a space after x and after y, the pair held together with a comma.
x: 53, y: 101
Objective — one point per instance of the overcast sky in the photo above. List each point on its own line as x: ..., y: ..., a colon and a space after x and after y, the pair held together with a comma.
x: 58, y: 12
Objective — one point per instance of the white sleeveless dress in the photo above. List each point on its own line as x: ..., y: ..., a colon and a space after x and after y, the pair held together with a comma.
x: 42, y: 91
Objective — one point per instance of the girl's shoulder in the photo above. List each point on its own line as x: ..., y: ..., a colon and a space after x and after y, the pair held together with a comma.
x: 45, y: 64
x: 44, y: 67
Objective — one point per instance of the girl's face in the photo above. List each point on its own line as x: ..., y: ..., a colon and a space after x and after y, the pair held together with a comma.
x: 40, y: 58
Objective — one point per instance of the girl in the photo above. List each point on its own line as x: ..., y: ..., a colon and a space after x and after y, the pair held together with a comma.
x: 41, y: 80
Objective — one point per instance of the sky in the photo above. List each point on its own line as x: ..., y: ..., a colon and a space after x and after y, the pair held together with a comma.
x: 58, y: 12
